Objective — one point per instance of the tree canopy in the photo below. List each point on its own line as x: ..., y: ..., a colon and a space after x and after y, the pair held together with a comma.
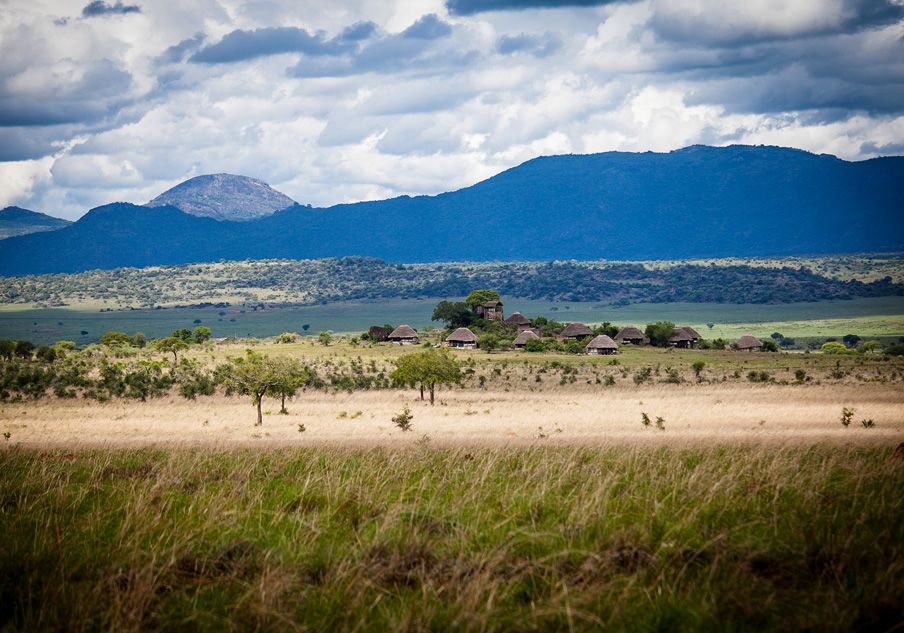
x: 172, y: 344
x: 201, y: 333
x: 480, y: 297
x: 660, y: 332
x: 427, y: 369
x: 455, y: 315
x: 263, y: 376
x: 116, y: 339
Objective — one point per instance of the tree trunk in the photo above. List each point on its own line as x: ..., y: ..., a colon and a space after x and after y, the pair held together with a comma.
x: 260, y: 416
x: 283, y: 410
x: 422, y: 391
x: 175, y: 359
x: 432, y: 385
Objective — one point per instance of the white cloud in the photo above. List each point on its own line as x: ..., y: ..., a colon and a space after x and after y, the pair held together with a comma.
x: 96, y: 110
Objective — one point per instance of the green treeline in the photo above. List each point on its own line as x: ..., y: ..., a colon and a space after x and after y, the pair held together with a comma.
x: 360, y: 278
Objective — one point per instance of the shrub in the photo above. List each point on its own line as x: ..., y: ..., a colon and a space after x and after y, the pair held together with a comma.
x: 537, y: 345
x: 833, y: 347
x: 403, y: 420
x: 847, y: 415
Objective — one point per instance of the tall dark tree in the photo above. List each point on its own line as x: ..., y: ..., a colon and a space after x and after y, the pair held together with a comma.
x: 660, y: 332
x: 455, y: 315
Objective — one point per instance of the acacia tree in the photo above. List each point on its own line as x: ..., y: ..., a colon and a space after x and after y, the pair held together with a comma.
x: 291, y: 376
x: 266, y: 377
x: 427, y: 369
x: 172, y: 344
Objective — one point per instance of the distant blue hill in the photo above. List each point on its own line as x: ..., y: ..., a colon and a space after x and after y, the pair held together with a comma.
x: 19, y: 221
x: 692, y: 203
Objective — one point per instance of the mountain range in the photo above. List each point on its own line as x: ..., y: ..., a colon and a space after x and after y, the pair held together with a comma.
x: 696, y: 202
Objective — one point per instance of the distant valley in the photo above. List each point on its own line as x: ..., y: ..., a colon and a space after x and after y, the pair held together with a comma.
x: 699, y: 202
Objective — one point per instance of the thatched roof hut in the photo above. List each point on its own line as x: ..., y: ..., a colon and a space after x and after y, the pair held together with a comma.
x: 681, y: 339
x: 462, y: 337
x: 694, y: 334
x: 747, y: 343
x: 576, y: 331
x: 491, y: 310
x: 523, y: 337
x: 518, y: 319
x: 404, y: 335
x: 602, y: 344
x: 630, y: 334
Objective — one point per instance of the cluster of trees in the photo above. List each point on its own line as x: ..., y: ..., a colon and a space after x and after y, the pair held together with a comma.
x: 259, y: 376
x: 99, y: 373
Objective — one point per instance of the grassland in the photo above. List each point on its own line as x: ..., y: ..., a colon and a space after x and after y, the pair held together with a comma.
x: 455, y: 539
x: 531, y: 497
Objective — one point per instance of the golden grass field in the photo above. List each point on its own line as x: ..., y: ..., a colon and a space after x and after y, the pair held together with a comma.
x: 574, y: 415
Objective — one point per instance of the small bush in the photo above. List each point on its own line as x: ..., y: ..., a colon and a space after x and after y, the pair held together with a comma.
x: 403, y: 420
x: 847, y: 415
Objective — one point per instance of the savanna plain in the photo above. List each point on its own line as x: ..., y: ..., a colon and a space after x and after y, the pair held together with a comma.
x: 641, y: 492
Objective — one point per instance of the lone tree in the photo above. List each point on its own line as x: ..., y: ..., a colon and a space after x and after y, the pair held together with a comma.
x: 427, y: 369
x: 172, y: 344
x: 660, y: 332
x: 266, y: 377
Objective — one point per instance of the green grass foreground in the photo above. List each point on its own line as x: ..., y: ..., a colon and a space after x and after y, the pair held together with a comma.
x: 435, y: 538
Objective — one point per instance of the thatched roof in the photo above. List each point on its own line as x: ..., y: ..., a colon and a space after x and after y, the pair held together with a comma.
x: 629, y: 332
x: 517, y: 319
x: 523, y: 337
x: 748, y: 342
x: 462, y: 334
x: 689, y: 331
x: 403, y: 331
x: 492, y: 304
x: 576, y: 329
x: 680, y: 335
x: 602, y: 342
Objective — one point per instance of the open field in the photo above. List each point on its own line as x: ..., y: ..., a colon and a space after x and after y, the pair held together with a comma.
x: 704, y: 415
x: 505, y: 398
x: 871, y: 317
x: 531, y: 497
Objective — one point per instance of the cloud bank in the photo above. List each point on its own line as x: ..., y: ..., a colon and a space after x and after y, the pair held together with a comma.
x: 359, y: 100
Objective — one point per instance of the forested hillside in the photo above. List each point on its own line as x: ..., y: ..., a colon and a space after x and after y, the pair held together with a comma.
x: 697, y: 202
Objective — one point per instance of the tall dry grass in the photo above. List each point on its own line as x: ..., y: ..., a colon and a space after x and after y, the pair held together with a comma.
x: 576, y: 415
x: 420, y: 538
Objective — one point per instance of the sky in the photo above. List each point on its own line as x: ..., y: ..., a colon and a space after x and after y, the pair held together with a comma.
x: 349, y: 100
